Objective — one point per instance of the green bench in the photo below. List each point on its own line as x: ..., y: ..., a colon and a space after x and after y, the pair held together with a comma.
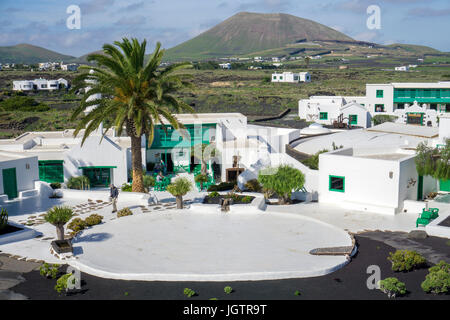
x: 427, y: 216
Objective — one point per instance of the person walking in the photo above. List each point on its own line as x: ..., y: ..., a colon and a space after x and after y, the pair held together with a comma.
x: 114, y: 194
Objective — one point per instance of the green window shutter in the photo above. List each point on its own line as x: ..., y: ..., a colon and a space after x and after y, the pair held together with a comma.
x: 380, y: 93
x: 323, y: 116
x: 353, y: 118
x: 336, y: 183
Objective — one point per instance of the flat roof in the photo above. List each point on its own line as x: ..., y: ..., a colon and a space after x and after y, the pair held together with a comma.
x: 385, y: 156
x: 431, y: 85
x: 406, y: 129
x: 186, y: 118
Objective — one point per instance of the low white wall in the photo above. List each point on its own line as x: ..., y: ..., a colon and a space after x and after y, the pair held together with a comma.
x: 433, y: 228
x: 139, y: 198
x: 24, y: 234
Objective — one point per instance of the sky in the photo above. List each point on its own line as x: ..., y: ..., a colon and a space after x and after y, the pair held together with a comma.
x: 43, y: 22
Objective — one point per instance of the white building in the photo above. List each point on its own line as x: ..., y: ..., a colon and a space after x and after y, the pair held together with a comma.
x: 378, y: 181
x: 411, y: 103
x: 402, y: 68
x: 225, y: 65
x: 69, y: 67
x: 40, y: 85
x: 18, y: 175
x: 291, y: 77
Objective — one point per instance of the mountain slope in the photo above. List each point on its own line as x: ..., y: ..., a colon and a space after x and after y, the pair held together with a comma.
x: 26, y: 53
x: 250, y: 32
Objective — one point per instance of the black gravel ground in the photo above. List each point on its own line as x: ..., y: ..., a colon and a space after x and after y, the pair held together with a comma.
x: 348, y: 283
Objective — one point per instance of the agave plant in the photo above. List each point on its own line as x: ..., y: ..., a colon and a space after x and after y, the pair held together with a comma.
x: 59, y: 216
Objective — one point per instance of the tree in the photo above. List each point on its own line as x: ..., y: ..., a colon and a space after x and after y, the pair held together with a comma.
x: 134, y: 95
x: 282, y: 180
x: 179, y: 188
x: 59, y: 216
x: 433, y: 162
x: 307, y: 61
x: 201, y: 178
x: 204, y: 152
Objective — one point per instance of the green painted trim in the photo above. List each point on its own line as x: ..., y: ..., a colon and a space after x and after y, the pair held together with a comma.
x: 336, y: 190
x: 380, y: 93
x: 379, y: 105
x: 420, y: 189
x: 323, y: 116
x: 354, y: 118
x: 10, y: 183
x: 51, y: 161
x: 98, y: 167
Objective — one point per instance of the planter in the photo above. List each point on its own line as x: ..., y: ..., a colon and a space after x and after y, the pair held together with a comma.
x: 62, y: 246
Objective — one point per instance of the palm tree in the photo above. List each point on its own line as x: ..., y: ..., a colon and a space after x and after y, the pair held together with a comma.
x: 59, y: 216
x: 135, y: 95
x: 179, y: 188
x: 204, y: 152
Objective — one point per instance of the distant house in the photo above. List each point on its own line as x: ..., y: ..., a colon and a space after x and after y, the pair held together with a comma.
x: 402, y: 68
x: 40, y: 85
x: 291, y: 77
x: 225, y: 65
x: 69, y: 67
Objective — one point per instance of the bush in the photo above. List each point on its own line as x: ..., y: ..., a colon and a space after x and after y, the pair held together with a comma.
x: 247, y: 199
x: 214, y: 194
x: 382, y: 118
x: 126, y: 187
x: 23, y: 103
x: 406, y: 260
x: 55, y: 185
x: 76, y: 225
x: 78, y: 183
x: 438, y: 279
x: 3, y: 218
x: 313, y: 161
x: 282, y: 180
x: 189, y: 292
x: 392, y: 287
x: 223, y: 186
x: 124, y: 212
x: 93, y: 220
x: 228, y: 290
x: 253, y: 186
x: 149, y: 181
x: 61, y: 283
x: 49, y: 271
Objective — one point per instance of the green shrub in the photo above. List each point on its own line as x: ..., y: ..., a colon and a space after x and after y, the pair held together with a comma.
x: 189, y: 292
x: 438, y: 279
x: 214, y: 194
x: 282, y: 180
x: 124, y: 212
x: 93, y: 220
x: 253, y: 186
x: 392, y: 287
x: 61, y: 283
x: 126, y: 187
x: 149, y: 181
x: 382, y: 118
x: 228, y: 290
x: 76, y: 225
x: 3, y: 218
x: 49, y: 271
x: 297, y: 293
x: 55, y: 185
x: 406, y: 260
x: 223, y: 186
x: 78, y: 183
x: 23, y: 103
x: 313, y: 161
x: 247, y: 199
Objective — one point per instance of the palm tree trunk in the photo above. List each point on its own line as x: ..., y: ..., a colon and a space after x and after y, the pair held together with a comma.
x: 136, y: 164
x: 179, y: 200
x: 204, y: 167
x: 59, y: 231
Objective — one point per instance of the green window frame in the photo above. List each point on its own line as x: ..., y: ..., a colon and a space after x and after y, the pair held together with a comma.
x: 353, y: 119
x: 380, y: 93
x: 333, y: 183
x: 323, y: 116
x: 379, y: 106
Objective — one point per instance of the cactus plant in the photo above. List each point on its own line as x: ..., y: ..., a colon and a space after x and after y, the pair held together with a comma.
x: 3, y: 218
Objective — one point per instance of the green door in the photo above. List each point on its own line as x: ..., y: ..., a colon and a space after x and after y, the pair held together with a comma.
x: 10, y: 183
x: 98, y: 176
x: 420, y: 189
x: 51, y: 171
x: 444, y: 185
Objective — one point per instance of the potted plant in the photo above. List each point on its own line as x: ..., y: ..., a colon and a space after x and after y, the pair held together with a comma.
x: 179, y: 188
x: 59, y: 216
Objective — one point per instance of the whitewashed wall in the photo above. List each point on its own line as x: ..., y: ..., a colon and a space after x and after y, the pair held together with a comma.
x: 25, y: 177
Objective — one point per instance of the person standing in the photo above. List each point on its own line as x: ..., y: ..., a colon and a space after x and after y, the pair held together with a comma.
x: 114, y: 194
